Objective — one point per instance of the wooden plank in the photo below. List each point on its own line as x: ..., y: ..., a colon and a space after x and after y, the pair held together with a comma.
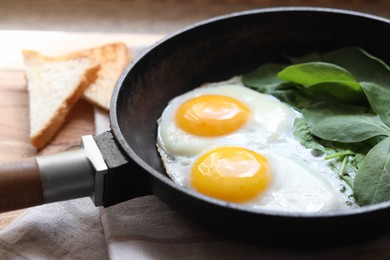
x: 14, y: 124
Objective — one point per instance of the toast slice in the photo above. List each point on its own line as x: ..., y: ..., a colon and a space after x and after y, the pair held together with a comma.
x: 113, y: 59
x: 54, y: 85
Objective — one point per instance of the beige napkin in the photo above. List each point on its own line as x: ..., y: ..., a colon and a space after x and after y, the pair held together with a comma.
x: 146, y: 228
x: 64, y: 230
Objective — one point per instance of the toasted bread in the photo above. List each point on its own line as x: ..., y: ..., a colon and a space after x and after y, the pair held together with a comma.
x: 54, y: 85
x: 113, y: 59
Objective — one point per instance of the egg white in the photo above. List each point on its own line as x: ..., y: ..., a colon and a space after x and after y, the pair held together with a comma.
x: 300, y: 181
x: 296, y: 185
x: 269, y: 120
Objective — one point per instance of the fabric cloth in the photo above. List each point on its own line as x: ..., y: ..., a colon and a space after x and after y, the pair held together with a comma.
x: 145, y: 228
x: 63, y: 230
x: 142, y: 228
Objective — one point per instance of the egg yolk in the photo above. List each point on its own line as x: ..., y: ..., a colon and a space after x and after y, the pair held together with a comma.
x: 231, y: 173
x: 211, y: 115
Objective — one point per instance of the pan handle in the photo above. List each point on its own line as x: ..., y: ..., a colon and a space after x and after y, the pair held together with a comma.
x: 99, y: 170
x: 45, y: 179
x: 20, y: 185
x: 124, y: 179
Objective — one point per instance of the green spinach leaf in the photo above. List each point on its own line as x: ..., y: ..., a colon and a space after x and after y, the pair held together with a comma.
x: 343, y: 123
x: 379, y: 99
x: 362, y: 65
x: 306, y: 138
x: 334, y: 150
x: 325, y: 78
x: 312, y: 73
x: 372, y: 181
x: 344, y: 99
x: 264, y: 79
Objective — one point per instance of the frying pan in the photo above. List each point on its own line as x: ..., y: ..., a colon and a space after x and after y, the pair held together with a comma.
x: 123, y: 163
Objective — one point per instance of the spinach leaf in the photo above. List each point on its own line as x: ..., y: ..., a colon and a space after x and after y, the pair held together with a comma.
x: 325, y: 78
x: 343, y: 123
x: 379, y: 99
x: 356, y: 139
x: 372, y: 181
x: 264, y: 78
x: 333, y: 150
x: 339, y: 91
x: 312, y: 73
x: 302, y: 132
x: 291, y: 95
x: 362, y: 65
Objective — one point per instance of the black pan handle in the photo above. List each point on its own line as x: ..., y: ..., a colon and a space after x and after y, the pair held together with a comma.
x: 124, y: 179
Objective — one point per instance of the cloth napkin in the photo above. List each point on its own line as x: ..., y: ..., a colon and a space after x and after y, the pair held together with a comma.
x: 144, y: 228
x: 64, y: 230
x: 141, y: 228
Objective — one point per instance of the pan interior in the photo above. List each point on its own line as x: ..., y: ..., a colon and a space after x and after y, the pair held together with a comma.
x: 219, y: 49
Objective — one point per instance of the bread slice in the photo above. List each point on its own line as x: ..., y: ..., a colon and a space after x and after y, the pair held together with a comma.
x: 54, y: 85
x: 113, y: 59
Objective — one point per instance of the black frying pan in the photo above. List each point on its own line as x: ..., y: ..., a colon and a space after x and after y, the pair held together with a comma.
x: 216, y: 50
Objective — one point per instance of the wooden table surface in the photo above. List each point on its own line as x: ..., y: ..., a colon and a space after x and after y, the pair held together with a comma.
x: 14, y: 126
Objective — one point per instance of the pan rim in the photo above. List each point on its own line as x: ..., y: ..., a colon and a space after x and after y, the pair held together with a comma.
x: 131, y: 154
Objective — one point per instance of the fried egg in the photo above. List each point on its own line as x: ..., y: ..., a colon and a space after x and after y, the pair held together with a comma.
x: 232, y: 143
x: 221, y: 113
